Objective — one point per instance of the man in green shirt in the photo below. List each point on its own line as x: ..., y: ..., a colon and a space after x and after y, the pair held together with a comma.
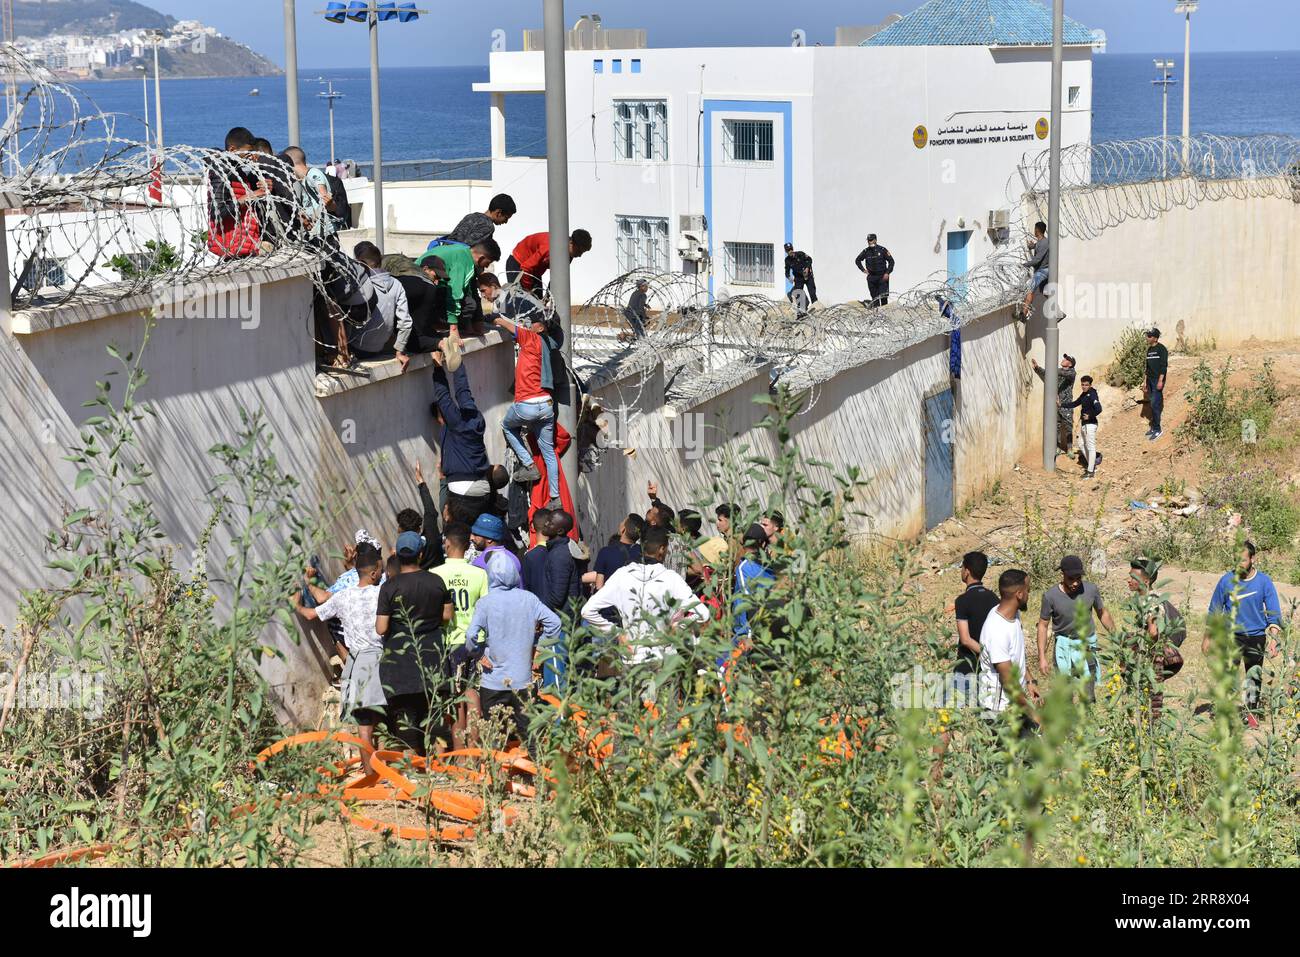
x: 1154, y: 386
x: 463, y: 264
x: 466, y: 584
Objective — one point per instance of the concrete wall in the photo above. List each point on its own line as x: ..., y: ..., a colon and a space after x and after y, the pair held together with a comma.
x: 1228, y: 270
x: 201, y: 373
x: 869, y: 417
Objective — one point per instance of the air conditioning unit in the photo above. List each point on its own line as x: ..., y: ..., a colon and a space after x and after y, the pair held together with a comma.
x: 999, y: 227
x: 693, y: 223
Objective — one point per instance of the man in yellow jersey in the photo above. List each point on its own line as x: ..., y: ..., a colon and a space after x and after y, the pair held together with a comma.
x: 467, y: 584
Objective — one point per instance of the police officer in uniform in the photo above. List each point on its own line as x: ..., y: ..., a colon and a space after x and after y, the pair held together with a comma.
x: 878, y: 264
x: 799, y: 271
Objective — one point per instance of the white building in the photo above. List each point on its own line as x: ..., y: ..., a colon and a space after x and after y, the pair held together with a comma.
x: 913, y: 135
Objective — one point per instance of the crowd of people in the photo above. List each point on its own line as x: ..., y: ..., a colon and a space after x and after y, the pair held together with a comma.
x: 991, y: 667
x: 467, y: 615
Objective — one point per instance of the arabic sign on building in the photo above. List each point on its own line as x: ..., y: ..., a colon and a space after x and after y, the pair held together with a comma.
x: 981, y: 134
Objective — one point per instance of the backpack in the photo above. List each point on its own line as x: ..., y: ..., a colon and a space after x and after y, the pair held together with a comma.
x: 237, y: 232
x: 339, y: 194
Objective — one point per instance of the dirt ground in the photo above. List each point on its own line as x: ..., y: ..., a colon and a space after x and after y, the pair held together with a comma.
x: 1134, y: 469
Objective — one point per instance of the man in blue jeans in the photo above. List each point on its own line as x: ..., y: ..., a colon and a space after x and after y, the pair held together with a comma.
x: 533, y: 408
x: 1154, y: 386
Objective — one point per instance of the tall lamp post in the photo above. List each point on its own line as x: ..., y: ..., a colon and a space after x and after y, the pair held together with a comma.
x: 1187, y: 8
x: 371, y: 14
x: 144, y: 87
x: 291, y: 71
x: 1164, y: 81
x: 1051, y: 304
x: 157, y: 92
x: 330, y: 96
x: 557, y: 194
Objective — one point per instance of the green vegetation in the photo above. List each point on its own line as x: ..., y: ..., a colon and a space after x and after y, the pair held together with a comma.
x: 1129, y: 366
x: 821, y: 751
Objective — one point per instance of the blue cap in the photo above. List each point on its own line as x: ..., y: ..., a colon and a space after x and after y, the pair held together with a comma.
x: 410, y: 544
x: 490, y: 527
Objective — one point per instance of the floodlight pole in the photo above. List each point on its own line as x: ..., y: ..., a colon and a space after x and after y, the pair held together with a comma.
x: 157, y: 94
x: 557, y: 191
x: 291, y: 72
x: 1051, y: 336
x: 377, y: 176
x: 1187, y: 8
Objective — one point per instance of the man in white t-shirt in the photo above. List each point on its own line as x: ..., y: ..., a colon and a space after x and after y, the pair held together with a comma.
x: 362, y: 692
x: 1003, y: 676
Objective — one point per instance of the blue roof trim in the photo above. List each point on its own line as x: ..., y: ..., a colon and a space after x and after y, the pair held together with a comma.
x: 985, y: 23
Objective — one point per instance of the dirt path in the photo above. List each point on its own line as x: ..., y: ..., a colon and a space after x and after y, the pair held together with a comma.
x: 1134, y: 470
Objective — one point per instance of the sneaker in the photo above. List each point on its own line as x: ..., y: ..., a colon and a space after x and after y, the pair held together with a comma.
x: 554, y: 504
x: 526, y: 475
x: 1155, y: 435
x: 1089, y: 475
x: 1150, y: 432
x: 451, y: 351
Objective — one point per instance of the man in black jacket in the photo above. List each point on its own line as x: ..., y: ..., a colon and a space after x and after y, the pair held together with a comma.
x: 878, y: 265
x: 1089, y: 407
x: 799, y: 271
x: 464, y: 454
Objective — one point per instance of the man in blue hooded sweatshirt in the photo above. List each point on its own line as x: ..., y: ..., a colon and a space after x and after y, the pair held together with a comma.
x: 505, y: 624
x: 464, y: 455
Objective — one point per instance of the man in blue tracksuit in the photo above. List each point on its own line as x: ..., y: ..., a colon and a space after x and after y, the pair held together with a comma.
x: 1249, y: 599
x: 464, y: 454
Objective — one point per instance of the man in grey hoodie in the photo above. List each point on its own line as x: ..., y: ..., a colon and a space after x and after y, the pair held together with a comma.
x: 389, y: 312
x: 505, y: 624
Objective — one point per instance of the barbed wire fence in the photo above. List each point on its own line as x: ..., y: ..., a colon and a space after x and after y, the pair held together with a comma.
x: 98, y: 216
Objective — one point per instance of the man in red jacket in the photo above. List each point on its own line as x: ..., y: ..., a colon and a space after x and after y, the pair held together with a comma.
x: 533, y: 409
x: 532, y: 257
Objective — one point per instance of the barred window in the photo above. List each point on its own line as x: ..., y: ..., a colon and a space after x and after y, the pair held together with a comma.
x: 751, y: 264
x: 749, y: 141
x: 642, y: 243
x: 641, y: 131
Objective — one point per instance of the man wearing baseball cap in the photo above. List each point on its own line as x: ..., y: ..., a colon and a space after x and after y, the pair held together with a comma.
x: 489, y: 535
x: 412, y: 609
x: 1154, y: 386
x: 1064, y: 394
x: 1067, y: 608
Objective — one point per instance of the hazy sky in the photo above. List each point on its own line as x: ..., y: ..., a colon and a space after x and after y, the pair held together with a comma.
x: 459, y: 33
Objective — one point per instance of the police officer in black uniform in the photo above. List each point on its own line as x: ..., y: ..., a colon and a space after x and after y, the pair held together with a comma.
x: 799, y: 270
x: 877, y: 263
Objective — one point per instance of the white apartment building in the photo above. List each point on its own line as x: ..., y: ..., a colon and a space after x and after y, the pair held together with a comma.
x: 708, y: 160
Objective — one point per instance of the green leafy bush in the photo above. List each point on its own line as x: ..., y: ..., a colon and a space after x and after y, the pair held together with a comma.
x: 1128, y: 369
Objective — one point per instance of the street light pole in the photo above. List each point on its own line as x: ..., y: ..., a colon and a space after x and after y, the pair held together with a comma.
x: 157, y: 94
x: 1051, y: 336
x: 144, y: 88
x: 377, y: 174
x: 291, y: 71
x: 557, y: 193
x: 1166, y: 78
x: 330, y: 97
x: 1187, y: 8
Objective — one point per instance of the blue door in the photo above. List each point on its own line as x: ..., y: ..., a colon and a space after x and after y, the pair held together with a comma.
x: 940, y: 432
x: 958, y: 262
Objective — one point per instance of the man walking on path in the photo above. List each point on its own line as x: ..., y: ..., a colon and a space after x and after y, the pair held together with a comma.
x: 1161, y: 624
x: 1003, y: 676
x: 1154, y: 386
x: 878, y: 264
x: 1064, y: 409
x: 1076, y: 638
x: 635, y: 310
x: 1248, y: 599
x: 972, y: 608
x: 1089, y: 406
x: 799, y: 272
